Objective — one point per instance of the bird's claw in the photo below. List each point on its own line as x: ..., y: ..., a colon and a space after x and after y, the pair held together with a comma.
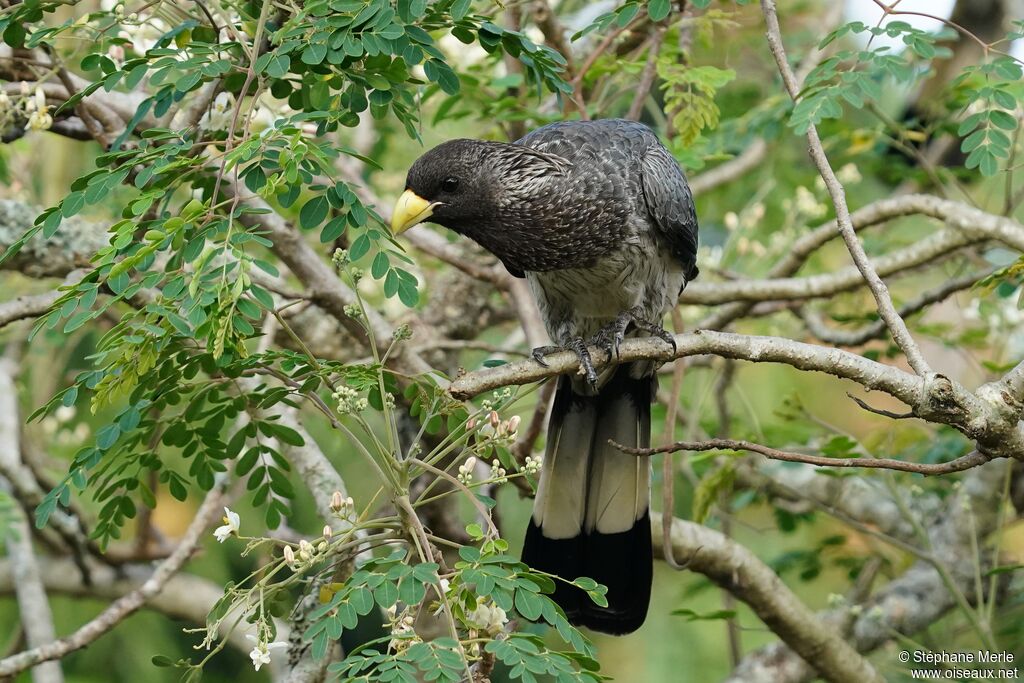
x: 538, y: 354
x: 611, y: 335
x: 577, y: 346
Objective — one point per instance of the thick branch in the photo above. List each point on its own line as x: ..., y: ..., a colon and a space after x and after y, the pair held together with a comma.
x: 33, y: 604
x: 184, y: 596
x: 128, y: 604
x: 836, y: 362
x: 739, y: 571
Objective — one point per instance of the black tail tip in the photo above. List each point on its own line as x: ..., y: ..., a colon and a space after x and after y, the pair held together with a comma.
x: 622, y: 562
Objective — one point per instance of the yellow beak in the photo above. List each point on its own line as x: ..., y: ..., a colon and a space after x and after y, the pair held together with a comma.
x: 410, y: 209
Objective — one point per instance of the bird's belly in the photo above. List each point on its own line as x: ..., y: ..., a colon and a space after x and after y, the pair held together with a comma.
x: 577, y: 302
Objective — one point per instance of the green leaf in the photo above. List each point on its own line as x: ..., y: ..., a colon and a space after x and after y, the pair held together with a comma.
x: 314, y: 212
x: 459, y: 10
x: 658, y: 9
x: 711, y: 486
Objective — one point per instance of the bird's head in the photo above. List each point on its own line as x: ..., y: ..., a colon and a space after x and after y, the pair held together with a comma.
x: 465, y: 184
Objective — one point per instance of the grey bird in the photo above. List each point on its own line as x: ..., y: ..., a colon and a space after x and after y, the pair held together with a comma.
x: 599, y: 219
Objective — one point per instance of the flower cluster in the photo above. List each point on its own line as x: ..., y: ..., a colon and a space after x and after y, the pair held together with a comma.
x: 340, y: 258
x: 466, y: 470
x: 487, y: 616
x: 349, y: 401
x: 805, y: 204
x: 402, y: 333
x: 342, y: 507
x: 498, y: 474
x: 402, y: 632
x: 532, y: 464
x: 497, y: 398
x: 501, y: 432
x: 34, y: 107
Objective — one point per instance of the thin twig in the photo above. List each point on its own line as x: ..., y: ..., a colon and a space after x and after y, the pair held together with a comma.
x: 966, y: 462
x: 897, y: 327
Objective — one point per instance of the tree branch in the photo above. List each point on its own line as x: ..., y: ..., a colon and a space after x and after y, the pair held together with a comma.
x: 817, y: 326
x: 897, y: 327
x: 960, y: 464
x: 835, y: 362
x: 33, y: 604
x: 912, y: 602
x: 737, y: 570
x: 128, y: 604
x: 184, y: 596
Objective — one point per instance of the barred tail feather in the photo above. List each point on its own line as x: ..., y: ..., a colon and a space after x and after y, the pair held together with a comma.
x: 591, y: 513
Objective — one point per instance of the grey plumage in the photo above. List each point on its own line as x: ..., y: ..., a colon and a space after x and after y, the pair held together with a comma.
x: 598, y: 217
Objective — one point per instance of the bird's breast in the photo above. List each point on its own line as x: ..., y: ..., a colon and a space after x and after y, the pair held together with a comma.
x: 579, y: 301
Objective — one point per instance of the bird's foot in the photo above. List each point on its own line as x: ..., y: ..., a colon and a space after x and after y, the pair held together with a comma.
x: 538, y: 354
x: 577, y: 346
x: 611, y: 335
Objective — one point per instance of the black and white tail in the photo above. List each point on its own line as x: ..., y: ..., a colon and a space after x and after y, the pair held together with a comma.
x: 591, y: 514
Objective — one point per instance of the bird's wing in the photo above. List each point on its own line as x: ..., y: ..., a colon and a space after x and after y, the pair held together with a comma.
x: 670, y: 204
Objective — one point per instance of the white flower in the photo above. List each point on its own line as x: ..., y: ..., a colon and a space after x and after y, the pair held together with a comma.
x: 144, y: 36
x: 533, y: 464
x: 219, y: 115
x: 231, y: 523
x: 466, y: 470
x: 260, y: 653
x: 498, y: 472
x: 487, y: 617
x: 64, y: 414
x: 38, y: 112
x: 261, y: 119
x: 849, y: 174
x: 40, y: 120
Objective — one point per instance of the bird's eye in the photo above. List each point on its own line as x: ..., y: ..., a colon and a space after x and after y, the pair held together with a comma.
x: 450, y: 184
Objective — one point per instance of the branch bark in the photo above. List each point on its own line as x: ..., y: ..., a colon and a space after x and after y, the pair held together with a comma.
x: 915, y: 600
x: 737, y: 570
x: 128, y: 604
x: 33, y: 604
